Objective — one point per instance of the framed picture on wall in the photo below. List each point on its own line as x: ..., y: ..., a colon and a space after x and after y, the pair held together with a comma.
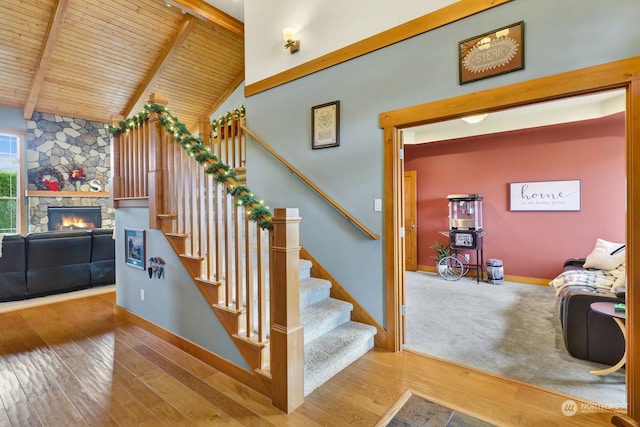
x: 490, y: 54
x: 134, y: 248
x: 545, y: 196
x: 325, y: 125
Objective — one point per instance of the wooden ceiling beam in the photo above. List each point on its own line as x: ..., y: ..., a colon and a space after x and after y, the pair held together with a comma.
x: 161, y: 63
x: 50, y: 38
x: 207, y: 12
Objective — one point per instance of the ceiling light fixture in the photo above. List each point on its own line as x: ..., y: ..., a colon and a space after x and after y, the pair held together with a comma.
x: 476, y: 118
x: 290, y: 41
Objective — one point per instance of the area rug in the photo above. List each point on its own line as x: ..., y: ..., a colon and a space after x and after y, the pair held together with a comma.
x: 413, y: 410
x: 512, y: 330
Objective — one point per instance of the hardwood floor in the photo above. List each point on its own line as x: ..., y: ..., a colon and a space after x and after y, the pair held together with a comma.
x: 71, y: 363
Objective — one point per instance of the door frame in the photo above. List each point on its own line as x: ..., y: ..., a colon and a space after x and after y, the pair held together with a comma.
x: 623, y: 74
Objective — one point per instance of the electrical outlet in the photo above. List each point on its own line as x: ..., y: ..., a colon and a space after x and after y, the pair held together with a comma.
x: 141, y: 294
x: 466, y: 257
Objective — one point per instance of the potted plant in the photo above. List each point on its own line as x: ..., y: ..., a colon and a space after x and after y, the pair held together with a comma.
x: 442, y: 250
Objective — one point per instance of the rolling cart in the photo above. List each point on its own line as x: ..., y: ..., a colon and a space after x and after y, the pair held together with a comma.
x: 465, y: 233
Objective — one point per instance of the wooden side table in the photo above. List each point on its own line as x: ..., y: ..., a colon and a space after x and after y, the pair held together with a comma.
x: 607, y: 308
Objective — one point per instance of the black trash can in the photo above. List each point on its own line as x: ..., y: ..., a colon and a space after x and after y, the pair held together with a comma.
x: 495, y: 271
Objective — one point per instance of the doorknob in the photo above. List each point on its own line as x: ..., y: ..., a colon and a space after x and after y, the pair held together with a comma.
x: 414, y: 226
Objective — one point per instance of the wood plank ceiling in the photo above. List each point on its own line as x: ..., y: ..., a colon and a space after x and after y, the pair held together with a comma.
x: 90, y: 59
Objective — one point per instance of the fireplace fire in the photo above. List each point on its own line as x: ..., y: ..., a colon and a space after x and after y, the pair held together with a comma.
x: 74, y: 218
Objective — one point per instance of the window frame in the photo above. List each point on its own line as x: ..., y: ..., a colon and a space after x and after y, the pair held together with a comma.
x: 21, y: 205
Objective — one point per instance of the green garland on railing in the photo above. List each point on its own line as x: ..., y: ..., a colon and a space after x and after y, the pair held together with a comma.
x: 227, y: 118
x: 194, y: 146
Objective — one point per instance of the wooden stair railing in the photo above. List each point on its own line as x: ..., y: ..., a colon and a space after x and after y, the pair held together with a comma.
x: 360, y: 226
x: 249, y: 276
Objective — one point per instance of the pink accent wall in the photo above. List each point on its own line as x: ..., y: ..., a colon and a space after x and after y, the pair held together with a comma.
x: 531, y: 244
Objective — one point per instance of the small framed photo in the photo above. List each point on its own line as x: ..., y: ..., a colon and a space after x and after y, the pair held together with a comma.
x: 325, y: 125
x: 134, y: 249
x: 490, y: 54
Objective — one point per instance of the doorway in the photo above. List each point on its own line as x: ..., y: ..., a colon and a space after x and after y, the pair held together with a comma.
x: 483, y: 322
x: 623, y: 74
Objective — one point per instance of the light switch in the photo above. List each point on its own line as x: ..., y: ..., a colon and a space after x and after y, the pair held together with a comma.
x: 377, y: 205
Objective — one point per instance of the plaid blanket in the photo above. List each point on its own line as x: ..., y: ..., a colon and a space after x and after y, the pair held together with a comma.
x: 603, y: 281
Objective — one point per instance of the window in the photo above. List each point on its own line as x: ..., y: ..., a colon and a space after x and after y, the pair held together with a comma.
x: 9, y: 183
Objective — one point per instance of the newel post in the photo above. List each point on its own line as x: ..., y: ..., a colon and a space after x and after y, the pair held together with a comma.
x: 115, y: 186
x: 156, y: 172
x: 287, y: 338
x: 204, y: 130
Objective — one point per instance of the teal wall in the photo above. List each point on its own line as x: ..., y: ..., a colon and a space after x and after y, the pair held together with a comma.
x: 559, y: 36
x: 172, y: 302
x: 12, y: 118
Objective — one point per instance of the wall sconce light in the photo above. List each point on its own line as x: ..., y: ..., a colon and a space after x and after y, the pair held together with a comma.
x: 289, y: 40
x: 475, y: 118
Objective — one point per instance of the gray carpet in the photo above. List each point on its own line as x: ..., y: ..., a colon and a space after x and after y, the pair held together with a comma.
x: 512, y: 330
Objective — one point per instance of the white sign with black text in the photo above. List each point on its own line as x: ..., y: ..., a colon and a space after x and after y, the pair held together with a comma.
x: 545, y: 196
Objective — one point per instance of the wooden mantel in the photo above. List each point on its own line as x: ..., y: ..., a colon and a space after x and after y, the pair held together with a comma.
x: 47, y: 193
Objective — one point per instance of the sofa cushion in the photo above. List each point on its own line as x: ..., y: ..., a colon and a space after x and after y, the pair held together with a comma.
x: 103, y: 265
x: 605, y: 255
x: 58, y: 260
x: 13, y: 281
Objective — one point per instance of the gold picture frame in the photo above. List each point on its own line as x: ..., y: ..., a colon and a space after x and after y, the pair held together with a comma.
x: 493, y: 53
x: 325, y: 125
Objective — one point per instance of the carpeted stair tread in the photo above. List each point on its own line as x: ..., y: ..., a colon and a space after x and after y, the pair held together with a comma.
x: 305, y: 268
x: 327, y: 355
x: 324, y: 316
x: 313, y: 290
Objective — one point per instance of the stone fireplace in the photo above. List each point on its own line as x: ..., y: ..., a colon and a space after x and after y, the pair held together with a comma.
x: 74, y: 218
x: 57, y: 142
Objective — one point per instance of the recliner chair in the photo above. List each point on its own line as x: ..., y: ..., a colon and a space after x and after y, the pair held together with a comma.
x: 589, y: 335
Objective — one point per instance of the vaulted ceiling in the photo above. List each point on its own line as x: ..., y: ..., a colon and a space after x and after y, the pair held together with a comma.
x: 93, y: 58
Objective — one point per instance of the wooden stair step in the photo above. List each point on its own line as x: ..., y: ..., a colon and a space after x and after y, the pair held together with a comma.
x: 168, y: 217
x: 177, y: 241
x: 167, y: 222
x: 193, y: 264
x: 213, y: 291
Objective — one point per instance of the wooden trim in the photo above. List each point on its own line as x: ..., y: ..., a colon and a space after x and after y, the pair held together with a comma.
x: 359, y: 314
x: 394, y: 245
x: 21, y: 223
x: 46, y: 193
x: 314, y: 187
x: 633, y: 245
x: 446, y: 15
x: 209, y: 13
x: 131, y: 202
x: 42, y: 66
x: 155, y: 166
x: 287, y: 333
x: 577, y: 82
x: 618, y: 74
x: 508, y: 278
x: 200, y: 353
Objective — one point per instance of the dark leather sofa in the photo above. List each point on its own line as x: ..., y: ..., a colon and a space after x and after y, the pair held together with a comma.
x: 56, y: 261
x: 587, y: 334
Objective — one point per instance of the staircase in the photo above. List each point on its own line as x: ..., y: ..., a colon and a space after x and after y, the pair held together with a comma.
x: 243, y: 259
x: 332, y: 341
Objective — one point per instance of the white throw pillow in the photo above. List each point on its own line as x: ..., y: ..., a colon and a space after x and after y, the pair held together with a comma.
x: 600, y: 258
